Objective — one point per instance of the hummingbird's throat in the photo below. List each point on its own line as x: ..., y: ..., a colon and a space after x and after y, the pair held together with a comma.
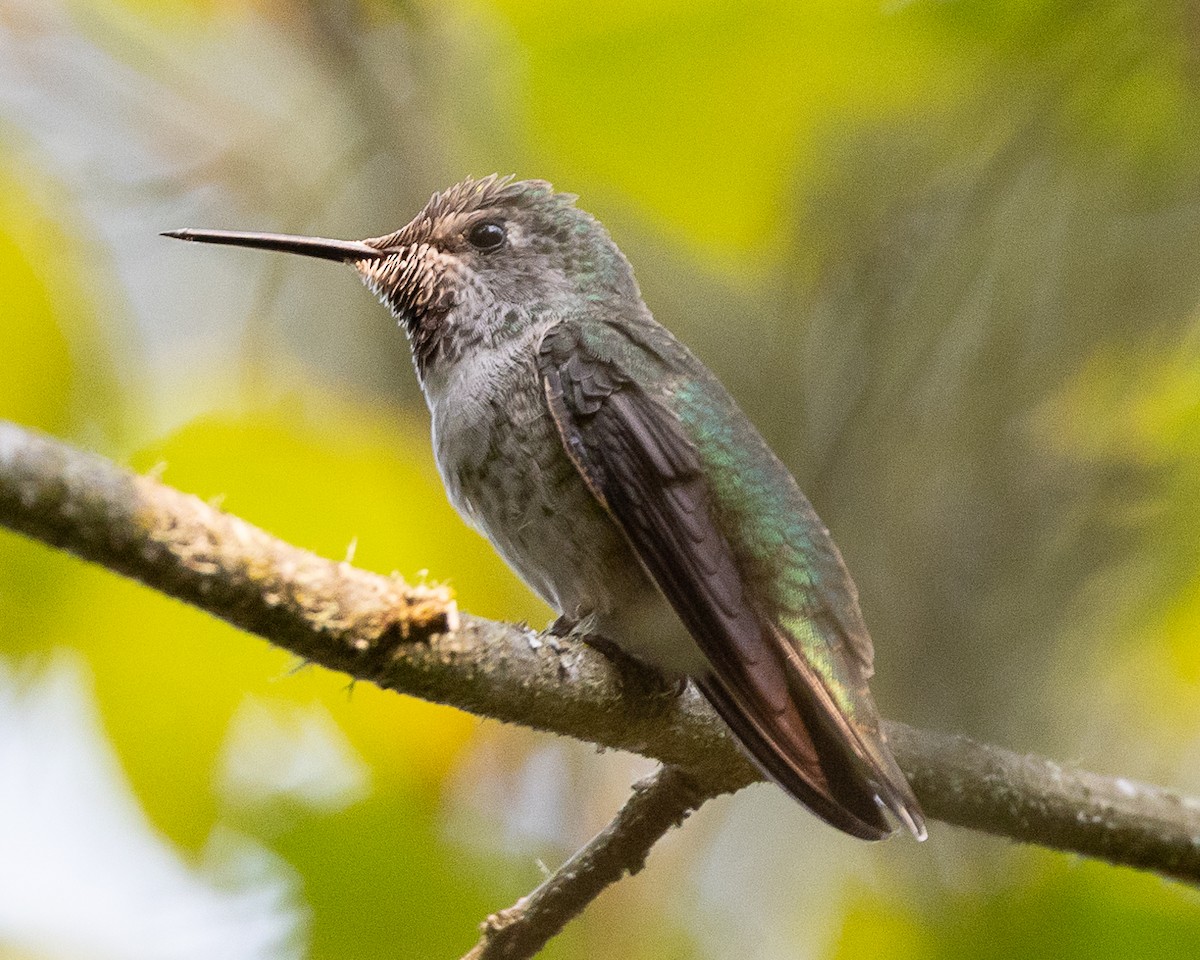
x: 414, y: 284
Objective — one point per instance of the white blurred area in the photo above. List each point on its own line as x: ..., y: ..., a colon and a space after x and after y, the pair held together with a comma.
x: 282, y: 753
x: 83, y: 873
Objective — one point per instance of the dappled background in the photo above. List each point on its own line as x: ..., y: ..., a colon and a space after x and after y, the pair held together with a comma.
x: 946, y: 254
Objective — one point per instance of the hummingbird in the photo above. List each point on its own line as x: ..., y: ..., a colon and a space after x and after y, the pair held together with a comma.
x: 619, y: 479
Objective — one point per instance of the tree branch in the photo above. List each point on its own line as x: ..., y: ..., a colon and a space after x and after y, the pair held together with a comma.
x: 412, y: 640
x: 658, y: 802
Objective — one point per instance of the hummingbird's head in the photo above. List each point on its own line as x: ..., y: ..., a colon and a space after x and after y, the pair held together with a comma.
x: 486, y: 263
x: 492, y: 261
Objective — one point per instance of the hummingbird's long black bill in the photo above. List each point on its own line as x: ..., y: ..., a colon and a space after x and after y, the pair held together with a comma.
x: 341, y: 250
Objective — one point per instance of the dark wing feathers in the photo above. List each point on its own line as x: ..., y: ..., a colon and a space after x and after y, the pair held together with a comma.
x: 635, y: 456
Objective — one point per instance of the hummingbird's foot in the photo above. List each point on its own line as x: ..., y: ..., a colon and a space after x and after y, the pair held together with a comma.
x: 562, y: 627
x: 639, y: 681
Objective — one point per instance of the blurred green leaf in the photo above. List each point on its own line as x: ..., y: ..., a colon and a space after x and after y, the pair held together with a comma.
x: 1140, y: 411
x: 747, y: 89
x: 383, y: 881
x: 55, y: 373
x: 1056, y: 910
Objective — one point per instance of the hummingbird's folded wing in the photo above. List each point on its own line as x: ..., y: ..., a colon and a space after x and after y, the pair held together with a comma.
x: 636, y: 457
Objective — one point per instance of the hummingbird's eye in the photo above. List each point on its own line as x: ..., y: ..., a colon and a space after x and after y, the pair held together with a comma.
x: 486, y: 235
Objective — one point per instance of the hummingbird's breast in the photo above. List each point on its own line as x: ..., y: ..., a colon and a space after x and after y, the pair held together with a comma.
x: 506, y: 472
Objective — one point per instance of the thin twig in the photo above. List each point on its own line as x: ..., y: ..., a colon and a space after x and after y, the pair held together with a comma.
x: 658, y: 802
x: 410, y: 639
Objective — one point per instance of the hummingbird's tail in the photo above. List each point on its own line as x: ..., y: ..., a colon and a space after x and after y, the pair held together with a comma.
x: 775, y: 750
x: 849, y: 785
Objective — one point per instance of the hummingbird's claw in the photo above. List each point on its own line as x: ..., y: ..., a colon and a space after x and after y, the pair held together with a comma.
x: 562, y: 627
